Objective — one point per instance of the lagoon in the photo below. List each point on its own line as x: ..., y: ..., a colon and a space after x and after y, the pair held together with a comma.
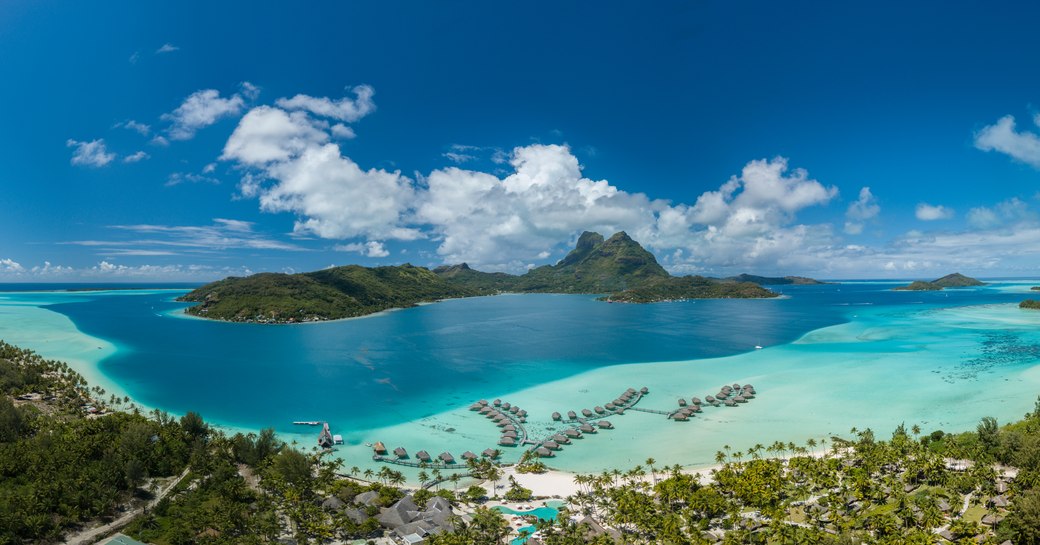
x: 835, y: 356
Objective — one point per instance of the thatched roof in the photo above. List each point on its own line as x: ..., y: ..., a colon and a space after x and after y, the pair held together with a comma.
x: 556, y: 416
x: 551, y: 444
x: 423, y: 455
x: 469, y: 456
x: 379, y: 447
x: 400, y: 452
x: 605, y: 424
x: 586, y: 428
x: 497, y: 402
x: 490, y: 452
x: 509, y: 434
x: 543, y: 452
x: 447, y: 458
x: 644, y: 390
x: 332, y: 503
x: 509, y: 427
x: 682, y: 402
x: 572, y: 415
x: 506, y: 441
x: 561, y: 438
x: 599, y: 409
x: 506, y: 406
x: 571, y: 432
x: 695, y: 400
x: 586, y: 412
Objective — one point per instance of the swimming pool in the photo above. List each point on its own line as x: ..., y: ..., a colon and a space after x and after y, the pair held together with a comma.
x: 548, y: 512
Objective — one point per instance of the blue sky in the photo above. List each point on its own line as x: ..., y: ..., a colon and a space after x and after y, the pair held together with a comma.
x: 187, y: 141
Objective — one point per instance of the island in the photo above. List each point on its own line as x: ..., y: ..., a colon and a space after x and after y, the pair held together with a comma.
x: 955, y: 280
x: 1032, y: 304
x: 776, y: 281
x: 618, y: 266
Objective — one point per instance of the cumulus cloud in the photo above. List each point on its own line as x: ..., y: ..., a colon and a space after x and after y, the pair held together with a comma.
x: 201, y: 109
x: 178, y: 178
x: 345, y: 109
x: 9, y: 265
x: 371, y: 248
x: 135, y: 157
x: 864, y: 208
x: 928, y: 212
x: 167, y: 48
x: 90, y: 154
x: 266, y: 135
x: 1003, y: 137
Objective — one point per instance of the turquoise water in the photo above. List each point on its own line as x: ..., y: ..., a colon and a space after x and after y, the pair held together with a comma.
x: 835, y: 356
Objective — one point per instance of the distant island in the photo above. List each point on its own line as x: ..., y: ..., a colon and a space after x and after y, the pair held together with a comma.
x: 1032, y: 304
x: 618, y: 266
x: 955, y: 280
x: 775, y: 281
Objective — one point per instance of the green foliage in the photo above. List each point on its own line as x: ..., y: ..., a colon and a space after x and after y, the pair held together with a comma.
x: 1031, y: 304
x: 955, y: 280
x: 339, y: 292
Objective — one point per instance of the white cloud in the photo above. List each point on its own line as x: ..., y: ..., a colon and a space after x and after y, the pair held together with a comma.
x: 178, y: 178
x: 160, y: 141
x: 167, y: 48
x: 141, y: 128
x: 344, y: 109
x: 865, y: 208
x: 1006, y: 212
x: 266, y: 135
x: 201, y: 109
x: 458, y: 158
x: 223, y: 234
x: 90, y: 154
x: 342, y: 131
x: 1002, y: 137
x: 9, y: 265
x: 208, y: 169
x: 928, y: 212
x: 135, y: 57
x: 135, y: 157
x: 249, y: 90
x: 371, y: 248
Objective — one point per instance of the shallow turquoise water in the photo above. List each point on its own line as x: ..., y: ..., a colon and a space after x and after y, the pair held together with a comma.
x: 836, y: 356
x: 543, y: 513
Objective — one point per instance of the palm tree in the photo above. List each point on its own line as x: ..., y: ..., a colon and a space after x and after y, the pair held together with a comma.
x: 650, y: 463
x: 368, y: 474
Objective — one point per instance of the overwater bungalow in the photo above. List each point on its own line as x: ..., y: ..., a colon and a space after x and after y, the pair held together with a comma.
x: 490, y: 453
x: 379, y: 447
x: 710, y: 399
x: 509, y: 427
x: 325, y: 437
x: 514, y: 409
x: 469, y: 456
x: 587, y: 413
x: 561, y: 439
x: 644, y: 390
x: 572, y: 415
x: 509, y: 434
x: 694, y: 408
x: 739, y: 399
x: 722, y: 395
x: 522, y: 419
x: 486, y: 410
x: 556, y: 416
x: 620, y: 411
x: 543, y: 452
x: 736, y: 386
x: 522, y: 413
x: 679, y: 417
x: 619, y: 402
x: 695, y: 400
x: 609, y: 406
x: 502, y: 423
x: 551, y: 445
x: 599, y: 410
x: 497, y: 402
x: 630, y: 391
x: 506, y: 406
x: 423, y: 456
x: 482, y: 403
x: 475, y: 407
x: 572, y: 433
x: 730, y: 403
x: 682, y: 402
x: 507, y: 442
x: 605, y: 425
x: 400, y: 452
x: 447, y: 458
x: 586, y: 428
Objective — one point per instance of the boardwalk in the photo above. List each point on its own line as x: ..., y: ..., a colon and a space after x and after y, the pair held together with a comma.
x: 423, y: 465
x: 653, y: 411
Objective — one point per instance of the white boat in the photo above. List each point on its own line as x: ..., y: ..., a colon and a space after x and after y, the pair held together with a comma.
x: 307, y: 423
x: 757, y: 347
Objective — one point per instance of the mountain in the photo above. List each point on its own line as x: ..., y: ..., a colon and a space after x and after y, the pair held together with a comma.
x: 618, y: 266
x: 774, y: 280
x: 955, y: 280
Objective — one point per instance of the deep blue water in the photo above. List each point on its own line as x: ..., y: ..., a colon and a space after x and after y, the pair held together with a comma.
x: 407, y: 364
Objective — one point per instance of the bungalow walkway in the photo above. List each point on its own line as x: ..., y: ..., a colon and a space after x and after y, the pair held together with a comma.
x: 422, y: 465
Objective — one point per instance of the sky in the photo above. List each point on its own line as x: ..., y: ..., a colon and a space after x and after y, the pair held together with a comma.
x: 187, y: 141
